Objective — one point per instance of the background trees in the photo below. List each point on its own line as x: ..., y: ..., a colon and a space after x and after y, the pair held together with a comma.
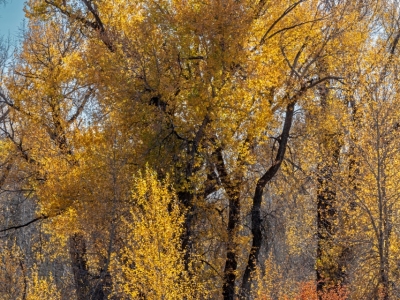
x: 267, y: 132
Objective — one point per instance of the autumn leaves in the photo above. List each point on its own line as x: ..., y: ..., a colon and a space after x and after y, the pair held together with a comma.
x: 164, y: 135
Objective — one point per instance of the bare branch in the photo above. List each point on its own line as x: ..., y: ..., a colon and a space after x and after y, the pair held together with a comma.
x: 43, y: 217
x: 285, y: 13
x: 81, y: 107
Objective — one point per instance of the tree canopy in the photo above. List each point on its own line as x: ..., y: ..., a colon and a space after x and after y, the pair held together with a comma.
x: 215, y: 149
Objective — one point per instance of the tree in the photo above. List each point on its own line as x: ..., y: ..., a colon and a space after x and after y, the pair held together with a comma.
x: 212, y: 95
x: 375, y: 153
x: 151, y: 263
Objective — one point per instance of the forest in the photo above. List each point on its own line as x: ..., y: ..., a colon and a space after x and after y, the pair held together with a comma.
x: 201, y: 149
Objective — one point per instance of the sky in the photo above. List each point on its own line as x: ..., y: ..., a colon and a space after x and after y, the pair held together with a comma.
x: 11, y: 16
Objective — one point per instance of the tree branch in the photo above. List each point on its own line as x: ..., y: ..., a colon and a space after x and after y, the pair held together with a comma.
x: 286, y: 12
x: 43, y: 217
x: 81, y: 107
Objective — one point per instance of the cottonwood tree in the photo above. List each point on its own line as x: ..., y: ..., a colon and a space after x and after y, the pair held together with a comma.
x: 208, y: 92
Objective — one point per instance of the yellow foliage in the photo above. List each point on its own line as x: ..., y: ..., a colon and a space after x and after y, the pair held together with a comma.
x: 196, y: 89
x: 151, y: 264
x: 41, y: 287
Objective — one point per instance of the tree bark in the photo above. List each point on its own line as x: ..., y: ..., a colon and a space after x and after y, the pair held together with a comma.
x: 186, y: 198
x: 256, y: 220
x: 326, y: 214
x: 329, y: 270
x: 77, y: 251
x: 230, y: 269
x: 231, y: 187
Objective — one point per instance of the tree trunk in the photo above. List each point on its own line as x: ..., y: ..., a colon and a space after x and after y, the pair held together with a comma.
x: 257, y: 200
x: 326, y: 214
x: 231, y: 186
x: 186, y: 199
x: 77, y: 251
x: 231, y: 253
